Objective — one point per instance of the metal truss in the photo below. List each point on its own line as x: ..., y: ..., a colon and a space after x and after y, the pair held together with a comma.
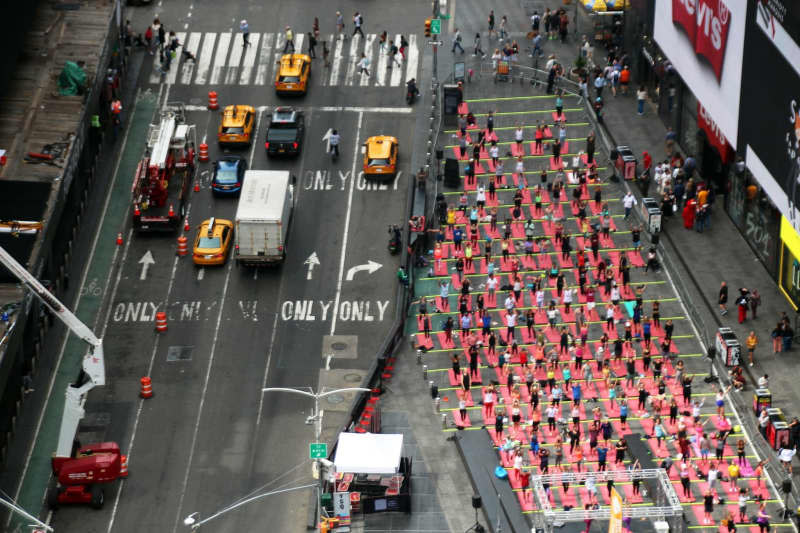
x: 666, y: 500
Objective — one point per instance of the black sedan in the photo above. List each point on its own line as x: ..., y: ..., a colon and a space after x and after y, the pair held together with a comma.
x: 285, y: 132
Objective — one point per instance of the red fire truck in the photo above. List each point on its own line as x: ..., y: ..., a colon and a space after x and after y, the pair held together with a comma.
x: 165, y: 173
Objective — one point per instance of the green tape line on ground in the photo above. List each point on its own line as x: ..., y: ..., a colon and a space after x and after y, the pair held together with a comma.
x: 510, y: 98
x: 39, y: 470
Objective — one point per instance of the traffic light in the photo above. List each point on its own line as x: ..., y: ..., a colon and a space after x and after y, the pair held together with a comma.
x: 427, y: 27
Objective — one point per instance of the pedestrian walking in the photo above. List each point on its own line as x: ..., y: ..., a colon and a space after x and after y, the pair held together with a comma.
x: 363, y: 65
x: 358, y: 22
x: 590, y: 147
x: 289, y: 40
x: 742, y: 304
x: 245, y: 29
x: 312, y: 45
x: 382, y: 41
x: 503, y: 24
x: 403, y: 46
x: 599, y: 83
x: 755, y: 301
x: 392, y: 56
x: 162, y: 37
x: 491, y: 23
x: 723, y: 299
x: 457, y: 42
x: 340, y: 26
x: 315, y: 28
x: 476, y: 46
x: 641, y: 96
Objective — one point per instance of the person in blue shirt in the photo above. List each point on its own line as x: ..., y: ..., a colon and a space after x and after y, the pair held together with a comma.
x: 559, y: 104
x: 566, y: 375
x: 458, y: 235
x: 623, y: 413
x: 576, y: 393
x: 602, y: 454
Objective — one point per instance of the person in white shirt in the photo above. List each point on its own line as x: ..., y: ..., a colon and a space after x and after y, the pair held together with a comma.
x: 628, y: 202
x: 480, y: 197
x: 510, y: 302
x: 763, y: 381
x: 363, y: 65
x: 786, y: 455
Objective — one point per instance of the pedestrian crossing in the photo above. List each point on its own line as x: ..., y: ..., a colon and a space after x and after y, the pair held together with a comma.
x: 221, y: 58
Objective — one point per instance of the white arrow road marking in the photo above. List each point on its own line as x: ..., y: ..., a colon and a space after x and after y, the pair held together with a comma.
x: 327, y: 139
x: 146, y: 261
x: 370, y: 267
x: 312, y: 260
x: 201, y: 273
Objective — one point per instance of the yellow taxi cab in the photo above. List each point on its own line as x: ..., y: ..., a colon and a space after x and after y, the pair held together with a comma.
x: 380, y: 157
x: 212, y: 242
x: 293, y: 73
x: 236, y: 125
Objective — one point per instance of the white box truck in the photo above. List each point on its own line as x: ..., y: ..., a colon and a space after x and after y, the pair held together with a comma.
x: 263, y: 217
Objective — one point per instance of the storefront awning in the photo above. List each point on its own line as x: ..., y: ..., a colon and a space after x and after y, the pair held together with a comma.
x: 368, y: 453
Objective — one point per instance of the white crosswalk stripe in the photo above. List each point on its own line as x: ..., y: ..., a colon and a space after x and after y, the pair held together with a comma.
x: 188, y: 67
x: 222, y: 60
x: 355, y: 57
x: 264, y: 59
x: 380, y: 68
x: 204, y: 59
x: 413, y: 57
x: 397, y: 70
x: 369, y: 52
x: 237, y: 48
x: 336, y: 64
x: 220, y: 57
x: 249, y: 59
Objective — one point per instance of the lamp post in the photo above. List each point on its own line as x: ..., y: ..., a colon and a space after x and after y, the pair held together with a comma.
x: 316, y: 418
x: 194, y: 522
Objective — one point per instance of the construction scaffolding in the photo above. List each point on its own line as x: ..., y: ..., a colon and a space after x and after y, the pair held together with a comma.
x: 665, y: 502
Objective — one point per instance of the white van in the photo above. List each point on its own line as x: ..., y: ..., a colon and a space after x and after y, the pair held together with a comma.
x: 263, y: 217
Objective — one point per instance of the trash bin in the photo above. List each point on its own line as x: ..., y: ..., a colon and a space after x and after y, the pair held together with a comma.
x: 728, y: 346
x: 626, y: 162
x: 762, y: 399
x: 651, y: 213
x: 775, y: 416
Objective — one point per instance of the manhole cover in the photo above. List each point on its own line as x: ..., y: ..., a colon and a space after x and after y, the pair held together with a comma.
x: 195, y: 101
x: 338, y: 346
x: 179, y: 353
x: 352, y: 378
x: 335, y: 398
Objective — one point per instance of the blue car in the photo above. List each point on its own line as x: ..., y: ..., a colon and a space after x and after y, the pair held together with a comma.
x: 228, y: 175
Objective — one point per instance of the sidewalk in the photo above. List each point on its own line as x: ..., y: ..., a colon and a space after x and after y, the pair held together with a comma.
x: 719, y: 254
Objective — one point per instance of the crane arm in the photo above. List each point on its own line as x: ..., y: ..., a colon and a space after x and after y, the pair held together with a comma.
x: 93, y: 368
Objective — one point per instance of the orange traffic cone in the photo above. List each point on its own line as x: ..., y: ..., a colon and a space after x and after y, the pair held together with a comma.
x: 161, y: 321
x: 212, y: 100
x: 171, y: 211
x: 119, y: 239
x: 202, y: 154
x: 123, y: 461
x: 147, y: 388
x: 196, y: 186
x: 183, y: 247
x: 186, y: 224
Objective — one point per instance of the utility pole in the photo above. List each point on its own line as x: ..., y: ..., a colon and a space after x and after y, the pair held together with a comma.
x: 316, y: 419
x: 435, y: 80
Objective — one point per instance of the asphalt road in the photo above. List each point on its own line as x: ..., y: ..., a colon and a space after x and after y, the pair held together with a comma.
x: 209, y: 436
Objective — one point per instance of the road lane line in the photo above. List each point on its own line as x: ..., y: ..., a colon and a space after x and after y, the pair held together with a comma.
x: 220, y: 57
x: 369, y: 50
x: 234, y: 60
x: 397, y: 70
x: 201, y: 272
x: 204, y: 59
x: 264, y: 59
x: 188, y: 67
x: 298, y: 43
x: 202, y: 399
x: 413, y: 58
x: 255, y: 139
x: 356, y: 153
x: 249, y: 59
x: 451, y: 22
x: 353, y: 59
x: 75, y: 305
x: 324, y: 77
x: 280, y: 42
x: 336, y: 64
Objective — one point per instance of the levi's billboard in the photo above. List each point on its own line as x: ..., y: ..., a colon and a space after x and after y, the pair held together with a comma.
x: 769, y: 133
x: 704, y: 40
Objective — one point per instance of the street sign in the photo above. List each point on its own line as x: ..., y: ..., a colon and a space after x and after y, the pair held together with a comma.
x: 341, y: 504
x: 318, y: 450
x: 436, y: 26
x: 435, y: 43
